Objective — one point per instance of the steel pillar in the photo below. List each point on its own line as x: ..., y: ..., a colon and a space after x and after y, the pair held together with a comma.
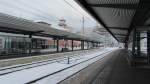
x: 57, y: 44
x: 134, y: 42
x: 30, y: 44
x: 72, y: 46
x: 138, y: 44
x: 66, y: 42
x: 148, y: 46
x: 87, y: 45
x: 54, y: 44
x: 83, y: 45
x: 92, y: 44
x: 126, y: 45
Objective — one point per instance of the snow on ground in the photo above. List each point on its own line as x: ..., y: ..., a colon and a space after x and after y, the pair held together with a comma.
x: 28, y: 75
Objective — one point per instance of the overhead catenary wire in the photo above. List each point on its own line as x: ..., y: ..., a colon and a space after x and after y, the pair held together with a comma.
x: 34, y: 12
x: 31, y: 10
x: 76, y: 9
x: 37, y: 9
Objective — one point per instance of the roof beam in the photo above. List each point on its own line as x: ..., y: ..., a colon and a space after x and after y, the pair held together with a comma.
x: 144, y: 15
x: 120, y: 34
x: 143, y: 28
x: 124, y: 6
x: 16, y: 31
x: 121, y: 6
x: 119, y: 28
x: 121, y: 37
x: 92, y: 12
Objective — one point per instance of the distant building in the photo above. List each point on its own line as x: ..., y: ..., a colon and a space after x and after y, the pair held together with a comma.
x: 100, y: 33
x: 62, y: 23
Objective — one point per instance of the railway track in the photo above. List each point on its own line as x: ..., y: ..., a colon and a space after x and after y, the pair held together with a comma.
x: 11, y: 69
x: 46, y: 69
x: 41, y: 78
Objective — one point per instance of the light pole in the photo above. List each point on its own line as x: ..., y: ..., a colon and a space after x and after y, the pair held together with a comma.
x: 83, y: 21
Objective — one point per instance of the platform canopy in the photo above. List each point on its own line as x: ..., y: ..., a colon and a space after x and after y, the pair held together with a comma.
x: 11, y: 24
x: 119, y: 17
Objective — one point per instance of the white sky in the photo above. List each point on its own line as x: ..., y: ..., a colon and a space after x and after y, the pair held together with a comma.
x: 47, y: 10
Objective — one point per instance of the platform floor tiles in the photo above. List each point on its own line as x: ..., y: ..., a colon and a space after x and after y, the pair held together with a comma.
x: 118, y: 71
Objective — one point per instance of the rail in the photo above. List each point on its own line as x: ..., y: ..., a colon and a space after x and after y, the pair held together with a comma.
x: 67, y: 68
x: 11, y: 69
x: 76, y: 60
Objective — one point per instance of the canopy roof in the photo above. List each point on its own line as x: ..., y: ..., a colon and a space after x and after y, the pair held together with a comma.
x: 11, y: 24
x: 119, y: 17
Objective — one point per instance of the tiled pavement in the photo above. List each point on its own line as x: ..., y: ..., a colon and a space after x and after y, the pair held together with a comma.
x: 117, y: 71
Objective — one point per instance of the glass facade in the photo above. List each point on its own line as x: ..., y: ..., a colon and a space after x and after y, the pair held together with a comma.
x: 14, y: 45
x: 137, y: 43
x: 21, y: 45
x: 77, y: 45
x: 40, y: 45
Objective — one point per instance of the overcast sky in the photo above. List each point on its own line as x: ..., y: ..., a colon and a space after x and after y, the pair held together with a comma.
x: 47, y: 10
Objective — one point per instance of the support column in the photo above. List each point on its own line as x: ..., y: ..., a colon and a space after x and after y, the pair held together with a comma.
x: 66, y: 41
x: 30, y: 44
x: 92, y: 44
x: 99, y: 44
x: 72, y: 45
x: 87, y: 45
x: 126, y: 45
x: 138, y: 44
x: 54, y: 44
x: 57, y: 44
x: 148, y: 46
x: 83, y: 45
x: 134, y: 42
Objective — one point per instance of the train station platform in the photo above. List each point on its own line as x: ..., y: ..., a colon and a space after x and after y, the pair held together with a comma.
x: 106, y: 66
x: 118, y: 71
